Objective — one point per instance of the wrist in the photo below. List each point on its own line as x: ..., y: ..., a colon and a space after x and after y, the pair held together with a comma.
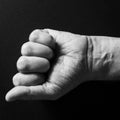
x: 103, y: 56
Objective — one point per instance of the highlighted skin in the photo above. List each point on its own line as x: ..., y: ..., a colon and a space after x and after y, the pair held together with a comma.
x: 104, y: 56
x: 55, y: 62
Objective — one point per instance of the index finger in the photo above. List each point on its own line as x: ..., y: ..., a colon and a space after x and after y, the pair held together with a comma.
x: 42, y: 37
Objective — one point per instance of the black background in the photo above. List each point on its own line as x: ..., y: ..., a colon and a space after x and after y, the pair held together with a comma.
x: 19, y: 17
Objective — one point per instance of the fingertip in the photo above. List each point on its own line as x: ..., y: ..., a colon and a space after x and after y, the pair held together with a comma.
x: 22, y: 63
x: 26, y: 49
x: 14, y: 79
x: 9, y: 97
x: 16, y: 93
x: 34, y: 35
x: 42, y: 36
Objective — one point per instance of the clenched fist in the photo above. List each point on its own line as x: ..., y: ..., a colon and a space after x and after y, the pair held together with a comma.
x: 54, y: 62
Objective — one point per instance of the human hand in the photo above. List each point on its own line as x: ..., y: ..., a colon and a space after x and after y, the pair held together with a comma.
x: 52, y: 63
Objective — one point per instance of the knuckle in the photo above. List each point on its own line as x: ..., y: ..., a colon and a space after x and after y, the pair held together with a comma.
x: 22, y: 63
x: 26, y: 49
x: 52, y: 42
x: 47, y: 39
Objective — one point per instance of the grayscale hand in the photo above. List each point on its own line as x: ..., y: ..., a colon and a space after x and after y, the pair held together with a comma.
x: 52, y: 63
x: 55, y: 62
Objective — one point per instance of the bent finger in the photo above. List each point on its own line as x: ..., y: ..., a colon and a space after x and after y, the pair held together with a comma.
x: 42, y: 37
x: 30, y: 64
x: 41, y: 92
x: 35, y: 49
x: 21, y: 79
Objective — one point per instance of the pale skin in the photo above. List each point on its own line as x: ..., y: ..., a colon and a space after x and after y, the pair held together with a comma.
x: 55, y: 62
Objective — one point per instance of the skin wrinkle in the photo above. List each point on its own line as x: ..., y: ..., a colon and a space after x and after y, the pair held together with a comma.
x: 96, y: 54
x: 89, y: 53
x: 103, y: 56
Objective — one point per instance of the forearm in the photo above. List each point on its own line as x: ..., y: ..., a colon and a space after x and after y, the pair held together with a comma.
x: 104, y: 56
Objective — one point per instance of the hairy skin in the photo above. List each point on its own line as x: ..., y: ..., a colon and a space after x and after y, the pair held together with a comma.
x: 63, y: 60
